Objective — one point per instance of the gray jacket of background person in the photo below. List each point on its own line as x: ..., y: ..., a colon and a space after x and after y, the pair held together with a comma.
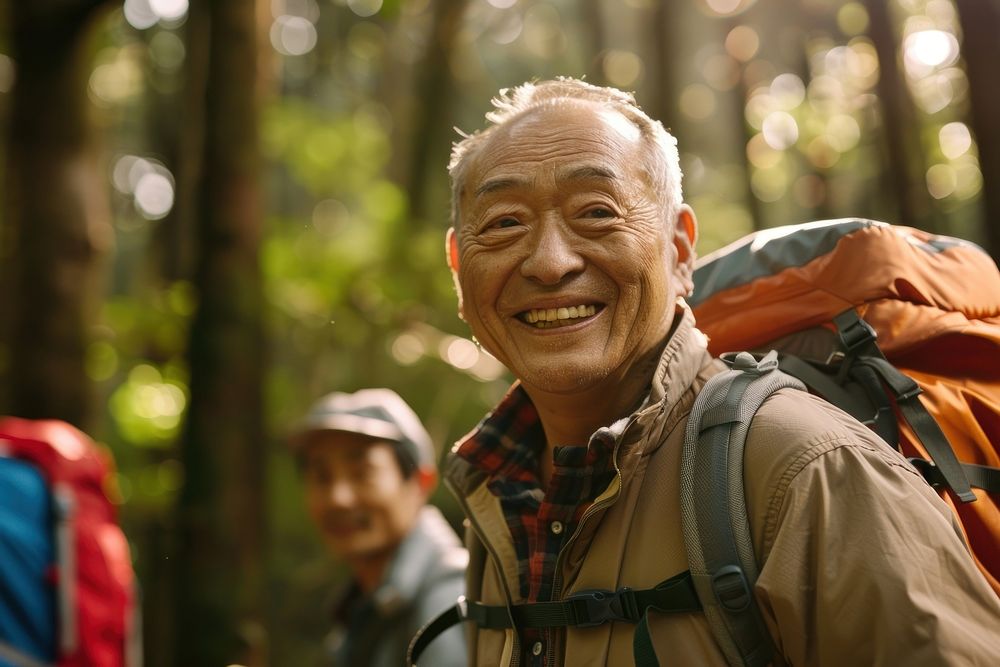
x: 425, y: 577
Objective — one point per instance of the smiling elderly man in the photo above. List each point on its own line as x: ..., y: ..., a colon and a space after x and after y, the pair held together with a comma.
x: 572, y: 250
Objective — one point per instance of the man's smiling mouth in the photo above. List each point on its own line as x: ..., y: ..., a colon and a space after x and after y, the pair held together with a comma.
x: 551, y: 318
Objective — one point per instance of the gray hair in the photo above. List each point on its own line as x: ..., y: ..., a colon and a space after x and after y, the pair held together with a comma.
x: 512, y: 103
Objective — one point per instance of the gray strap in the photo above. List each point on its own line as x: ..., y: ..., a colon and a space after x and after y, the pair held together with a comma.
x: 717, y: 533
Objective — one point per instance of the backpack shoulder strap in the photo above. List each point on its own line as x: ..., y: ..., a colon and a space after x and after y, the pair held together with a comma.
x: 716, y: 527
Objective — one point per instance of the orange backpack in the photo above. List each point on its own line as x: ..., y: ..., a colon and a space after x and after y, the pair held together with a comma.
x: 822, y: 293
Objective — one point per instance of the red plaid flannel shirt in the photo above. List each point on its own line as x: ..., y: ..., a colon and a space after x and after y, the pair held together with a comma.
x: 507, y: 446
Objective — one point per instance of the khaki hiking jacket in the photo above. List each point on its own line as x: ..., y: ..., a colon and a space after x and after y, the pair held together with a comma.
x: 861, y: 562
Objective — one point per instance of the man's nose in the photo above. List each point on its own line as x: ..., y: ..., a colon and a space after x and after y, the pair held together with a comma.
x: 341, y: 493
x: 552, y: 255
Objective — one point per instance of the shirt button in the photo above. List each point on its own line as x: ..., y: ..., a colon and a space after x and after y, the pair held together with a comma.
x: 556, y: 527
x: 537, y: 648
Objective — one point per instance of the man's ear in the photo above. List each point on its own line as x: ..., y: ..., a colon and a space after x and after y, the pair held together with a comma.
x: 451, y: 254
x: 426, y: 479
x: 685, y: 237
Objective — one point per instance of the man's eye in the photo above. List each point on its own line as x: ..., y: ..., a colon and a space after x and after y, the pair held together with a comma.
x: 599, y: 212
x: 506, y: 222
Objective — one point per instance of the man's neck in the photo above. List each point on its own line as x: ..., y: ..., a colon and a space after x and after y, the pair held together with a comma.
x: 369, y: 570
x: 570, y: 419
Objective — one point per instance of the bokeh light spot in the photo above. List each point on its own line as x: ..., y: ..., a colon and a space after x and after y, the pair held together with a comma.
x: 459, y: 352
x: 365, y: 8
x: 780, y: 130
x: 788, y: 91
x: 508, y: 29
x: 955, y: 140
x: 970, y: 179
x: 101, y: 360
x: 941, y: 180
x: 622, y: 68
x: 407, y: 348
x: 330, y: 216
x: 852, y: 18
x: 727, y: 7
x: 154, y: 196
x: 933, y: 93
x: 721, y: 72
x: 821, y: 154
x: 167, y: 50
x: 931, y: 48
x: 293, y: 35
x: 760, y: 154
x: 697, y: 101
x: 742, y: 43
x: 169, y: 10
x: 843, y: 132
x: 139, y: 14
x: 769, y: 185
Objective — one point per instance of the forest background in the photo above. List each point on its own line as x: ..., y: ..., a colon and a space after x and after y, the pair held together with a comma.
x: 214, y: 212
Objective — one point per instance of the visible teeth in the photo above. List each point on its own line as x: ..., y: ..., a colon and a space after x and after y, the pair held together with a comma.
x: 548, y: 317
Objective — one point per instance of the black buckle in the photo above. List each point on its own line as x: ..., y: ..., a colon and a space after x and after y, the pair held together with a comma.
x: 930, y: 472
x: 857, y: 332
x: 731, y: 588
x: 593, y: 607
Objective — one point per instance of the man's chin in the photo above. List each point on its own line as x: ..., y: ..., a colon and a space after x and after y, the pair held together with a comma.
x: 357, y: 548
x: 562, y: 379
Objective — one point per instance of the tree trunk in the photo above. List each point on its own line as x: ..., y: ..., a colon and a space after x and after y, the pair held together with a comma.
x: 221, y: 506
x: 58, y: 216
x: 664, y: 24
x: 179, y: 134
x: 905, y: 166
x: 980, y: 20
x: 593, y: 18
x: 431, y: 147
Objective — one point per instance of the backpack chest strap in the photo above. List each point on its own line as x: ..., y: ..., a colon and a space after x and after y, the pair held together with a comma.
x: 583, y: 609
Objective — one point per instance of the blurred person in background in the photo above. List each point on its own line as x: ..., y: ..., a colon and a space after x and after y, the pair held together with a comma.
x: 369, y: 467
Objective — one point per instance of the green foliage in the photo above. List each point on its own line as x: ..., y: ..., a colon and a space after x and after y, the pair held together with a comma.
x: 777, y: 123
x: 324, y: 152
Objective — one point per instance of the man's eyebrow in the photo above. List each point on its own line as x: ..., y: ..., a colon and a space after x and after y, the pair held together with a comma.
x: 575, y: 174
x: 588, y: 172
x: 495, y: 184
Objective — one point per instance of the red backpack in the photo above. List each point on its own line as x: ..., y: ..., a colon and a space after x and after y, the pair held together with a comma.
x: 77, y: 609
x: 896, y: 326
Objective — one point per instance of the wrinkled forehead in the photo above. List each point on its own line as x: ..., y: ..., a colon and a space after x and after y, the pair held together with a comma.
x: 557, y: 130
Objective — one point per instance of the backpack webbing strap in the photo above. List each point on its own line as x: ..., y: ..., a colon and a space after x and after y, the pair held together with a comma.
x: 643, y: 653
x: 827, y: 387
x: 859, y: 339
x: 582, y: 609
x: 980, y: 477
x: 717, y: 533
